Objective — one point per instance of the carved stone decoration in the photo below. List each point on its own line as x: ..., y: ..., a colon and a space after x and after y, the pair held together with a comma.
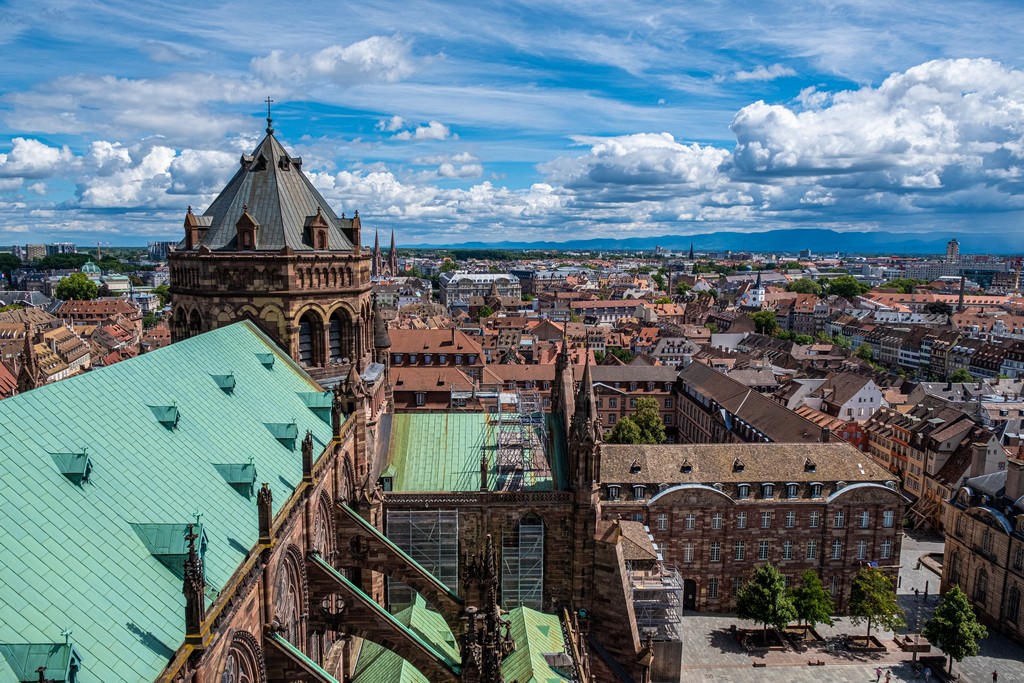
x: 292, y: 596
x: 323, y: 528
x: 245, y: 662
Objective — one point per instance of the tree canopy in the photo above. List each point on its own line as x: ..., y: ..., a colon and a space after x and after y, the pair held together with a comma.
x: 643, y: 426
x: 76, y: 286
x: 164, y: 292
x: 764, y: 599
x: 873, y: 599
x: 9, y: 263
x: 863, y: 352
x: 846, y: 286
x: 764, y: 321
x: 625, y: 431
x: 954, y: 626
x: 682, y: 288
x: 804, y: 285
x: 905, y: 285
x: 811, y: 601
x: 961, y: 375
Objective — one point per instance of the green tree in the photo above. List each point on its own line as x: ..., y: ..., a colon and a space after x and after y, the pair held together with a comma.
x: 764, y: 321
x: 648, y: 418
x: 663, y: 300
x: 961, y: 375
x: 873, y: 599
x: 625, y: 355
x: 62, y: 261
x: 863, y: 352
x: 598, y: 357
x: 8, y: 264
x: 448, y: 266
x: 904, y: 284
x: 712, y: 327
x: 164, y: 293
x: 76, y: 286
x: 954, y: 626
x: 659, y: 280
x: 149, y: 320
x: 803, y: 339
x: 625, y: 431
x: 764, y: 600
x: 846, y: 286
x: 804, y: 285
x: 484, y: 312
x: 811, y: 601
x: 682, y: 288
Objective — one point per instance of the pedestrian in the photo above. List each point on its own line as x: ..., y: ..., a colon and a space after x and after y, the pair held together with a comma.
x: 927, y: 673
x: 878, y: 674
x: 917, y: 593
x: 995, y: 676
x: 926, y: 591
x: 888, y: 676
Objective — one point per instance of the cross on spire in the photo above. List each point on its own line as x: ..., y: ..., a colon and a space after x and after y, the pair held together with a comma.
x: 270, y: 121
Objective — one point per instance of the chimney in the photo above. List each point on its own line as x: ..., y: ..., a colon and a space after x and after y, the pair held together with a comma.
x: 1015, y: 477
x: 979, y: 451
x: 826, y: 434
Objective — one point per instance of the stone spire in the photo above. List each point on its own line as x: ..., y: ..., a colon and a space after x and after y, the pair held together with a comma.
x: 195, y: 597
x: 488, y: 639
x: 393, y: 257
x: 691, y: 251
x: 586, y: 423
x: 375, y: 265
x: 30, y: 375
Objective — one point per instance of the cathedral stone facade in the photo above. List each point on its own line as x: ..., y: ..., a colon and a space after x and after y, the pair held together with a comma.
x: 271, y: 249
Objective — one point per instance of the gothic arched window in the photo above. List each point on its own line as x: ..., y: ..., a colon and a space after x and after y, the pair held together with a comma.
x: 245, y: 661
x: 323, y: 529
x: 290, y: 604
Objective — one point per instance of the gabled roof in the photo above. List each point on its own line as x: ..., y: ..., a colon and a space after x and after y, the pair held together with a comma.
x: 71, y: 557
x: 272, y: 189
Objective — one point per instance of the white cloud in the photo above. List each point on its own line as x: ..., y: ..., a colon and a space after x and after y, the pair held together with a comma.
x: 396, y: 122
x: 435, y: 130
x: 764, y: 73
x: 386, y: 59
x: 30, y: 158
x: 448, y: 170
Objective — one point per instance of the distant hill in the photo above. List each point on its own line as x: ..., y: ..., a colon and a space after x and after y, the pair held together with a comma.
x: 819, y: 241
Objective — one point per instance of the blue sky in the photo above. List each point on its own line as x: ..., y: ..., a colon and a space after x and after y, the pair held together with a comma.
x: 460, y: 121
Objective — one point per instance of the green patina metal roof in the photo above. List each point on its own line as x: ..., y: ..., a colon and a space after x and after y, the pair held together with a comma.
x: 69, y: 555
x: 433, y: 452
x: 377, y: 664
x: 58, y: 660
x: 535, y: 634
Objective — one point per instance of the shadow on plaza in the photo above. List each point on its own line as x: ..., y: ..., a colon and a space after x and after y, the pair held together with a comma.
x: 834, y: 648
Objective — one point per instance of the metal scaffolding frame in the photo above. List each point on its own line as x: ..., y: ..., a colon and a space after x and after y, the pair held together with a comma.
x: 522, y: 565
x: 431, y: 537
x: 657, y: 595
x: 522, y: 438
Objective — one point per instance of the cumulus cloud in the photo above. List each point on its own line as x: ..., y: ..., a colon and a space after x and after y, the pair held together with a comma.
x: 30, y: 158
x: 385, y: 59
x: 392, y: 124
x: 435, y: 130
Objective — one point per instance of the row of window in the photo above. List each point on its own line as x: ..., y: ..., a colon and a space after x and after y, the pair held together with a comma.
x: 428, y: 359
x: 613, y: 402
x: 789, y: 550
x: 737, y: 583
x: 863, y: 520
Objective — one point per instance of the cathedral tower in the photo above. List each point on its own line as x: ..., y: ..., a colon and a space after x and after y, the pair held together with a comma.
x: 272, y: 250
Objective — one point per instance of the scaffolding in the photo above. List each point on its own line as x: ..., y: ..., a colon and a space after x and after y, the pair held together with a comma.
x: 657, y: 595
x: 520, y: 429
x: 431, y: 537
x: 522, y: 570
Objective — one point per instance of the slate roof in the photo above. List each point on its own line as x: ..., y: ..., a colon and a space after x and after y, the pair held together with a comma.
x: 271, y: 186
x: 69, y: 556
x: 636, y: 542
x: 715, y: 463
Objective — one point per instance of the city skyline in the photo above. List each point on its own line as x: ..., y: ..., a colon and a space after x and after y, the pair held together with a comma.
x: 452, y: 123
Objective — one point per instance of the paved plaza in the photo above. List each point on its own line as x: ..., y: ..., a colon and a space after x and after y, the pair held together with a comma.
x: 711, y: 653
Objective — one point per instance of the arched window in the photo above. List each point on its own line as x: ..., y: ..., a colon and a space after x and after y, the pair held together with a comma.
x: 323, y: 529
x: 289, y: 608
x: 986, y: 540
x: 245, y: 661
x: 310, y: 338
x: 341, y: 336
x: 1013, y: 605
x: 195, y: 323
x: 522, y: 559
x: 954, y: 567
x: 981, y: 586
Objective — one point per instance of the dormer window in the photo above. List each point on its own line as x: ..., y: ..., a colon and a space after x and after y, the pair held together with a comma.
x: 809, y: 465
x: 634, y: 467
x: 639, y: 491
x: 687, y: 467
x: 792, y: 490
x: 743, y: 491
x: 316, y: 230
x: 816, y: 490
x: 737, y: 465
x: 246, y: 229
x: 767, y: 490
x: 613, y: 491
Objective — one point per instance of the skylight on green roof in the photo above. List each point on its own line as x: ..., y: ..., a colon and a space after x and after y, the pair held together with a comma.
x: 60, y: 661
x: 168, y: 543
x: 285, y: 432
x: 320, y: 402
x: 75, y: 466
x: 168, y: 416
x: 241, y: 476
x: 225, y: 382
x: 267, y: 359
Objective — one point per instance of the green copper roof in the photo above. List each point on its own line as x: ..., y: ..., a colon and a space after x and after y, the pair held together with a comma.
x: 535, y: 634
x: 59, y: 660
x: 377, y: 664
x: 69, y: 555
x: 441, y: 452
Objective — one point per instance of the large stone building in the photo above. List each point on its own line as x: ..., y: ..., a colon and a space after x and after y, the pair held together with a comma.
x: 984, y: 552
x: 271, y: 249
